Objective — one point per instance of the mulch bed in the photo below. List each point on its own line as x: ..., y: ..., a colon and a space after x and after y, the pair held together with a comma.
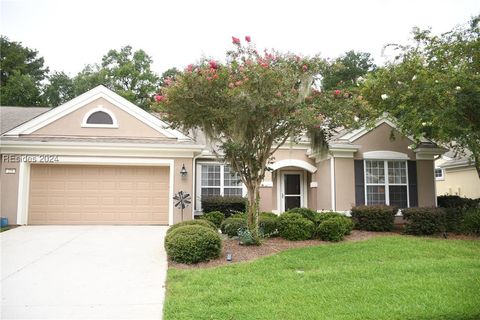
x: 268, y: 247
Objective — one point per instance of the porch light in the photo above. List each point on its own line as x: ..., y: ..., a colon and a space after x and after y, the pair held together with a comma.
x: 183, y: 171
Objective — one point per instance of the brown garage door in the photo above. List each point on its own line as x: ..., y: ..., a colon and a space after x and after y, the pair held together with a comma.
x: 84, y: 194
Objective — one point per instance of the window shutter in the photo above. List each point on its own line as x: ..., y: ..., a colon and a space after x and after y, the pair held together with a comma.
x: 359, y: 183
x: 412, y: 183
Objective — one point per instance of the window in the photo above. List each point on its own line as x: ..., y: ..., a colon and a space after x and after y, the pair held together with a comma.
x: 439, y: 175
x: 99, y: 117
x: 386, y: 183
x: 218, y: 180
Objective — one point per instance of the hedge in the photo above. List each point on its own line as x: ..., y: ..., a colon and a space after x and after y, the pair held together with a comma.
x: 374, y: 218
x: 193, y: 244
x: 424, y: 221
x: 228, y: 205
x: 471, y: 223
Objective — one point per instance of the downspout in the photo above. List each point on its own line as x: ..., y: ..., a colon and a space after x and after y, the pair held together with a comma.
x: 332, y: 182
x: 194, y: 180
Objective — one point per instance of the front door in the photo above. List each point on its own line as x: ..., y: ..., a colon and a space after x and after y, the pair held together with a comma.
x: 292, y: 191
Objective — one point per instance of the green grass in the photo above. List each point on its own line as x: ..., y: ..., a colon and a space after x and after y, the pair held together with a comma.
x: 395, y: 277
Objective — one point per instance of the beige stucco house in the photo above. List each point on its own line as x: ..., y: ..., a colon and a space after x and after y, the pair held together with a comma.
x: 99, y: 159
x: 456, y: 175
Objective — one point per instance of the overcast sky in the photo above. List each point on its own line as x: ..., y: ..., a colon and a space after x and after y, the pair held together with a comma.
x: 70, y: 34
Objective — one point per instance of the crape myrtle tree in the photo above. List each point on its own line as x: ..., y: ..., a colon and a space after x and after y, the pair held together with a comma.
x: 252, y: 103
x: 432, y: 87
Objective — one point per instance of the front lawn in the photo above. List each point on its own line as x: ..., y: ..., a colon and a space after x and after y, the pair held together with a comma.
x: 396, y: 277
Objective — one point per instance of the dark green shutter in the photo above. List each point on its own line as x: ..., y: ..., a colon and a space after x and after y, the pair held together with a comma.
x: 359, y: 183
x: 412, y: 183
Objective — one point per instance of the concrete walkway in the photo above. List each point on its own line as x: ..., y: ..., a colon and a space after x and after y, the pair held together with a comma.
x: 83, y: 272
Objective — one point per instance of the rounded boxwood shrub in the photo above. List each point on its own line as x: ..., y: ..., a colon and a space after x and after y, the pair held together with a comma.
x: 323, y: 216
x: 268, y: 225
x: 293, y: 226
x: 230, y: 226
x: 215, y: 217
x: 305, y: 212
x: 471, y: 222
x: 200, y: 222
x: 268, y: 214
x: 193, y: 244
x: 333, y: 229
x: 374, y: 218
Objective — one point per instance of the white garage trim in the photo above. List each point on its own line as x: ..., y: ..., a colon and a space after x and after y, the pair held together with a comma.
x: 24, y: 177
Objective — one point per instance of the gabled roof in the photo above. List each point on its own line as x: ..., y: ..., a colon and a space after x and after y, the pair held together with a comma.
x: 89, y: 96
x: 11, y: 117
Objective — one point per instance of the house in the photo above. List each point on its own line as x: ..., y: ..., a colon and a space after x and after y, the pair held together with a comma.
x: 99, y: 159
x: 455, y: 174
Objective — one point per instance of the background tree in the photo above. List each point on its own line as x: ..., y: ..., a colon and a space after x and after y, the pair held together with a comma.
x: 253, y: 104
x: 91, y: 76
x: 344, y: 71
x: 432, y: 88
x: 59, y: 89
x: 129, y: 74
x: 168, y: 74
x: 22, y: 71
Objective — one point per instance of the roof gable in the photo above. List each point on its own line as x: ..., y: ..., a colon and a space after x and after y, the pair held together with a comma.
x: 99, y: 95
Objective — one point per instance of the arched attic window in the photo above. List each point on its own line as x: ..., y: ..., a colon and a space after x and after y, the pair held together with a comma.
x: 99, y: 118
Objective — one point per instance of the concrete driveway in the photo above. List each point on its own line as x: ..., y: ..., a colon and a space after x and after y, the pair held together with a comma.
x: 83, y: 272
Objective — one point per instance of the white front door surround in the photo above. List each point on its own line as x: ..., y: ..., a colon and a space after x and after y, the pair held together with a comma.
x: 291, y: 190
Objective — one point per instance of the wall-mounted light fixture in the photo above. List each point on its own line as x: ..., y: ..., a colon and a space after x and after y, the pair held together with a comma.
x: 183, y: 171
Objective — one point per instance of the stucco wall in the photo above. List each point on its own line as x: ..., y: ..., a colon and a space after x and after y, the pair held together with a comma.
x: 70, y: 124
x: 183, y: 184
x: 425, y: 183
x: 379, y: 140
x: 324, y: 188
x: 463, y: 182
x: 344, y: 184
x: 9, y: 190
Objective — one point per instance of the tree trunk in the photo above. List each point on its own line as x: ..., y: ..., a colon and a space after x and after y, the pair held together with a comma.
x: 253, y: 194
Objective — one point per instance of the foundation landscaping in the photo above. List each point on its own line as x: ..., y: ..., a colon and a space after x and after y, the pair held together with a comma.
x: 325, y: 265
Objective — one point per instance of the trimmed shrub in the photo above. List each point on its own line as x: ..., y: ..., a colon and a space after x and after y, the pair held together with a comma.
x: 323, y: 216
x: 230, y: 226
x: 200, y: 222
x: 268, y: 225
x: 374, y: 218
x: 215, y: 217
x: 228, y: 205
x: 424, y: 221
x: 293, y: 226
x: 333, y: 229
x: 471, y: 223
x: 457, y: 202
x: 193, y: 244
x: 268, y: 214
x: 305, y: 212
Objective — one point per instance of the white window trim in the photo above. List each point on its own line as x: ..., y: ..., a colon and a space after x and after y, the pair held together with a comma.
x: 442, y: 178
x: 198, y: 191
x: 387, y: 183
x: 100, y: 108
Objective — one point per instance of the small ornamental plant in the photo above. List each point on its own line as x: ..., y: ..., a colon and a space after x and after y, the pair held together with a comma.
x: 251, y: 103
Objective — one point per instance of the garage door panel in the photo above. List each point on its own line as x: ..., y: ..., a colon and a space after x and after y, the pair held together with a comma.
x: 74, y: 194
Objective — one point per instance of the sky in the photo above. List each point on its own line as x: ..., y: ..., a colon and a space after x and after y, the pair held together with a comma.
x: 70, y: 34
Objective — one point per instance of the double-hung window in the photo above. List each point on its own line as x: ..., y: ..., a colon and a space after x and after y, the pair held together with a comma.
x: 386, y: 182
x: 218, y: 180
